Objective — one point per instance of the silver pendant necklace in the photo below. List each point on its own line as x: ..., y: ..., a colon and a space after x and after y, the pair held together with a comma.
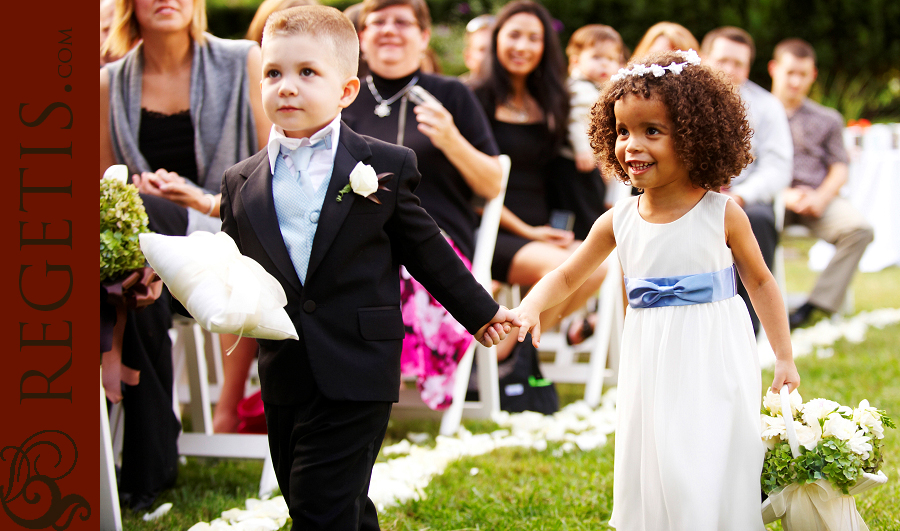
x: 383, y: 109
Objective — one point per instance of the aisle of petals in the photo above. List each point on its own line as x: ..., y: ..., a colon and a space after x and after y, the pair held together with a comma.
x: 575, y: 426
x: 819, y: 338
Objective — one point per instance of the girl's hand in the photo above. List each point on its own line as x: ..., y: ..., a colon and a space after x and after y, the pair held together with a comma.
x: 785, y: 374
x: 558, y: 237
x: 529, y: 321
x: 492, y: 333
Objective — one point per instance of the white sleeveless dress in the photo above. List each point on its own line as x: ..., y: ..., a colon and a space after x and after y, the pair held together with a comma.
x: 688, y: 453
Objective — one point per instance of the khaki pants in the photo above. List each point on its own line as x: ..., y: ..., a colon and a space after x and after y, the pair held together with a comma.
x: 843, y: 226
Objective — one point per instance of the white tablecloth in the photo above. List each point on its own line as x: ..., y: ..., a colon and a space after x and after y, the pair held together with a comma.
x: 874, y: 188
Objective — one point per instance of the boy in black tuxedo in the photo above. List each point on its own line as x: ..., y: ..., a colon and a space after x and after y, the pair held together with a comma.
x: 312, y: 212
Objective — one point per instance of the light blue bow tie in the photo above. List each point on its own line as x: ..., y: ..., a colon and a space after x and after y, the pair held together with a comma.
x: 301, y: 155
x: 681, y: 290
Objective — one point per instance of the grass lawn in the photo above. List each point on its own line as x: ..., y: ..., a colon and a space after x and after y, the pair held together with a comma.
x: 529, y: 490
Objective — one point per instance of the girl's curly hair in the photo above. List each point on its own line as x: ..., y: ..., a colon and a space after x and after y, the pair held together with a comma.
x: 711, y: 133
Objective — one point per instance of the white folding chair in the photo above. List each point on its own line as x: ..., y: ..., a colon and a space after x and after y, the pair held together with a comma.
x: 110, y: 514
x: 488, y: 378
x: 189, y: 348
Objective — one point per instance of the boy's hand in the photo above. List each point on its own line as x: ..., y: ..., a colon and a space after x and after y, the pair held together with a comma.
x: 785, y: 374
x: 495, y: 331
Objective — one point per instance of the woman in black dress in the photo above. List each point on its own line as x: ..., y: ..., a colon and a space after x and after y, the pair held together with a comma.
x: 152, y: 120
x: 524, y: 95
x: 456, y: 155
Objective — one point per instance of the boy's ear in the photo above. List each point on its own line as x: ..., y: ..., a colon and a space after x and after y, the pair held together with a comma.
x: 351, y: 91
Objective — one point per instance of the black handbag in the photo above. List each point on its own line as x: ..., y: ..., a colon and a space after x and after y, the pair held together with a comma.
x: 522, y: 386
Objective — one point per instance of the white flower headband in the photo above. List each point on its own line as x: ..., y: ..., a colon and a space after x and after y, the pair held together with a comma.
x: 690, y: 56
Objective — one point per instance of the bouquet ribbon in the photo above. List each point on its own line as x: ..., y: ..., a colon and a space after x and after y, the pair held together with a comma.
x: 140, y: 288
x: 816, y: 506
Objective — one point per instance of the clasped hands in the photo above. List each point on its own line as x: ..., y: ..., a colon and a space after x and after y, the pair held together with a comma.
x: 169, y: 185
x: 524, y: 318
x: 805, y: 201
x: 496, y: 331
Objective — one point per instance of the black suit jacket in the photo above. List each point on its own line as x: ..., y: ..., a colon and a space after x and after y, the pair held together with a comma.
x: 347, y: 314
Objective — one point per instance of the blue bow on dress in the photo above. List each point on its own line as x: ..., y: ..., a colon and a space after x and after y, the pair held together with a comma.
x: 681, y: 290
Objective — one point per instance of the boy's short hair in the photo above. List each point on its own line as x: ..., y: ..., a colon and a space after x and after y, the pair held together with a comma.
x: 321, y: 22
x: 711, y: 132
x: 266, y: 8
x: 731, y: 33
x: 796, y: 47
x: 125, y: 30
x: 419, y: 7
x: 587, y: 36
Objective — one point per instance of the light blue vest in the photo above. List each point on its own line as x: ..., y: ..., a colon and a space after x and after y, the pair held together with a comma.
x: 298, y: 214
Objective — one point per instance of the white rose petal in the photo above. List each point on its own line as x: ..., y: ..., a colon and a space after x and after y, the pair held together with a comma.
x: 818, y: 408
x: 859, y: 444
x: 807, y: 436
x: 839, y: 427
x: 363, y: 180
x: 772, y: 430
x: 657, y: 70
x: 869, y: 419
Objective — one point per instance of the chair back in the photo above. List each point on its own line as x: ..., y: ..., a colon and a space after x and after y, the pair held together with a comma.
x: 486, y: 238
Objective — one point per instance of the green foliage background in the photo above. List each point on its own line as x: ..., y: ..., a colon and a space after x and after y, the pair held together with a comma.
x: 857, y: 42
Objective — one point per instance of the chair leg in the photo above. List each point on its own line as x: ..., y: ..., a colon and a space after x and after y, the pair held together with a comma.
x: 191, y: 339
x: 452, y: 417
x: 110, y: 514
x: 268, y: 482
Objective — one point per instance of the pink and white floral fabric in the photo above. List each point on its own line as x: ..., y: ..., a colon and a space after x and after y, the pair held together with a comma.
x: 434, y: 341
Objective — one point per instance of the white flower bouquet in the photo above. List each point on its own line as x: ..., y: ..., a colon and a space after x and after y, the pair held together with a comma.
x: 818, y: 455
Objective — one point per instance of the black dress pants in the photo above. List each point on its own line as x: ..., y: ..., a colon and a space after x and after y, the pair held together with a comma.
x: 323, y: 452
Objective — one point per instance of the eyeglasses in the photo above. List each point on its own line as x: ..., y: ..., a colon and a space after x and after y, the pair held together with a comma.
x: 478, y: 23
x: 401, y: 24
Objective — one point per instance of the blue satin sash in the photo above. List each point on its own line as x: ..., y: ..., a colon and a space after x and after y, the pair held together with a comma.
x: 682, y: 290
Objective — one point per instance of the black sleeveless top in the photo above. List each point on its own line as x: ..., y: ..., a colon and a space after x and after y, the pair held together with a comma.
x: 167, y: 141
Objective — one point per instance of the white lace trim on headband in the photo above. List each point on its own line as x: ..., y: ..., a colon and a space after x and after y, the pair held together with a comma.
x: 690, y: 56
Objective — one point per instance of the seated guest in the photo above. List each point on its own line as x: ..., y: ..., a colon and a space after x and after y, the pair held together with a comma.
x: 820, y: 170
x: 665, y: 37
x: 527, y: 102
x: 456, y: 151
x: 731, y: 51
x: 185, y: 102
x: 477, y: 45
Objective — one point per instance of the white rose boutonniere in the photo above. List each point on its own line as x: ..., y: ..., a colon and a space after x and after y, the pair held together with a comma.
x: 365, y: 182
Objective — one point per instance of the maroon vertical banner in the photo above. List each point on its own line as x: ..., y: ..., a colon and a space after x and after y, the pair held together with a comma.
x: 49, y: 381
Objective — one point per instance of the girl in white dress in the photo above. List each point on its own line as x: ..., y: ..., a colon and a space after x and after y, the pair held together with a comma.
x: 688, y: 450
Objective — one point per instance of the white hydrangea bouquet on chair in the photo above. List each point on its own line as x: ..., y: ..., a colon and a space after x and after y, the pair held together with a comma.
x: 819, y: 455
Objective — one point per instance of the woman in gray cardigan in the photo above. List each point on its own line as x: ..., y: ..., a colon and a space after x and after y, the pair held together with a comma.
x: 180, y: 102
